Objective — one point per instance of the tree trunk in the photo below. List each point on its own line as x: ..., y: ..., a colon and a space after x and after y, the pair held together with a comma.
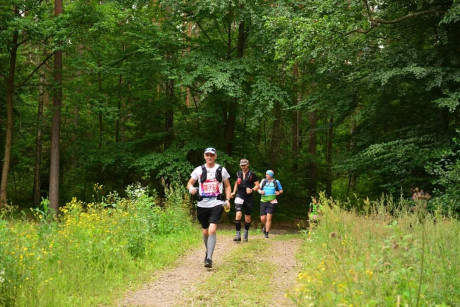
x: 169, y: 114
x: 42, y: 97
x: 351, y: 145
x: 313, y: 168
x: 56, y: 123
x: 119, y: 104
x: 276, y: 137
x: 99, y: 88
x: 232, y: 106
x: 296, y: 115
x: 9, y: 116
x: 330, y: 134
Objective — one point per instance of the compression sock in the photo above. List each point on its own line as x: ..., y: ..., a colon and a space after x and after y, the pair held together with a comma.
x: 211, y: 245
x: 238, y: 225
x: 246, y: 226
x: 246, y: 230
x: 205, y: 240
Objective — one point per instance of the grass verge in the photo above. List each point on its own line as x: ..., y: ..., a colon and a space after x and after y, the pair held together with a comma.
x: 407, y: 258
x: 95, y: 252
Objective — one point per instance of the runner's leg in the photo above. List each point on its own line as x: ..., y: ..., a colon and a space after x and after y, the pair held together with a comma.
x: 238, y: 226
x: 211, y: 239
x: 268, y: 225
x: 205, y: 240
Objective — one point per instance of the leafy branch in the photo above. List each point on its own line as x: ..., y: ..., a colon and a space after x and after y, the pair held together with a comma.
x: 375, y: 22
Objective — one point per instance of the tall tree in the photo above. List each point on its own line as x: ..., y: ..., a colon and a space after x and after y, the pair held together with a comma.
x: 313, y: 160
x: 43, y: 98
x: 9, y: 110
x: 56, y: 123
x: 329, y: 142
x: 296, y: 114
x: 232, y: 107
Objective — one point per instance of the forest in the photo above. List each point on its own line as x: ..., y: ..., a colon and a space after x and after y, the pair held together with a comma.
x: 356, y: 98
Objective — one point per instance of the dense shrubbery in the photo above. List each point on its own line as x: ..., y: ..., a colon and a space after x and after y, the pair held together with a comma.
x: 92, y: 248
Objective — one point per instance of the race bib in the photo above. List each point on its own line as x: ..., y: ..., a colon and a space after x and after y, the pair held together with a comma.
x: 274, y: 201
x: 210, y: 188
x: 239, y: 201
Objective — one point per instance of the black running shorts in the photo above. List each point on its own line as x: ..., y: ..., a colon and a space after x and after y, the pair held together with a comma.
x: 246, y: 206
x: 267, y: 207
x: 207, y: 216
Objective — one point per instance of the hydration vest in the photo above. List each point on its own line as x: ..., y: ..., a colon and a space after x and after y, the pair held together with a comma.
x: 204, y: 173
x: 264, y: 181
x: 203, y: 177
x: 240, y: 180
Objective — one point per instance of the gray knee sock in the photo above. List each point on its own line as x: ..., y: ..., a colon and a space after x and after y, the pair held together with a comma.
x: 211, y: 245
x: 205, y: 240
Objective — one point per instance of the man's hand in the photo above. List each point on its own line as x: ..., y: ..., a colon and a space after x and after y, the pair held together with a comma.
x: 227, y: 205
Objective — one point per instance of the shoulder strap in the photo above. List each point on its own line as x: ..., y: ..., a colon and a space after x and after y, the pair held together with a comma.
x: 250, y: 175
x: 262, y: 184
x: 219, y: 173
x: 239, y: 174
x: 204, y: 173
x: 275, y: 182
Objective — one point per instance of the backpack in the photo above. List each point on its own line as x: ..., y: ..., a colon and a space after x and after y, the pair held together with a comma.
x: 264, y: 181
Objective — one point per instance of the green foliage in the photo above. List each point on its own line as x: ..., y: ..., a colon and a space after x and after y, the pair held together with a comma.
x: 379, y: 258
x: 391, y: 162
x: 94, y: 249
x: 447, y: 171
x: 388, y: 77
x: 451, y: 101
x: 453, y: 13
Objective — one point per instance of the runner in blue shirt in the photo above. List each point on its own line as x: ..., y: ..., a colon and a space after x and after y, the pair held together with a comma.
x: 270, y: 188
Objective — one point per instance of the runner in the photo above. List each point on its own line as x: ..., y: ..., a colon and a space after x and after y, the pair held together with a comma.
x: 246, y: 183
x: 314, y: 211
x: 270, y: 188
x: 214, y: 191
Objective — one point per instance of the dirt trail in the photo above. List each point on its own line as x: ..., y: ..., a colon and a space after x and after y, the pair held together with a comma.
x: 171, y: 285
x: 283, y: 257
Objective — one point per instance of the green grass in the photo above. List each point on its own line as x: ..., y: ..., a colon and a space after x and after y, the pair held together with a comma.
x: 243, y: 281
x: 93, y: 254
x: 379, y: 259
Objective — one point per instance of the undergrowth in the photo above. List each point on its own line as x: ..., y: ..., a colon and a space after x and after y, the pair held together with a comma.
x: 389, y: 254
x: 93, y: 250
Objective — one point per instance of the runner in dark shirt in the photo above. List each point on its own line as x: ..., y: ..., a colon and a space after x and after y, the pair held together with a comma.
x: 246, y: 183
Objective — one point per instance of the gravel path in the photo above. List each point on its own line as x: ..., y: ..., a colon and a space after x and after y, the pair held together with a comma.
x: 171, y: 285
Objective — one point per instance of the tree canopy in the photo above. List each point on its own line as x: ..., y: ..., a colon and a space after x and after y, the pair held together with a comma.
x: 352, y: 97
